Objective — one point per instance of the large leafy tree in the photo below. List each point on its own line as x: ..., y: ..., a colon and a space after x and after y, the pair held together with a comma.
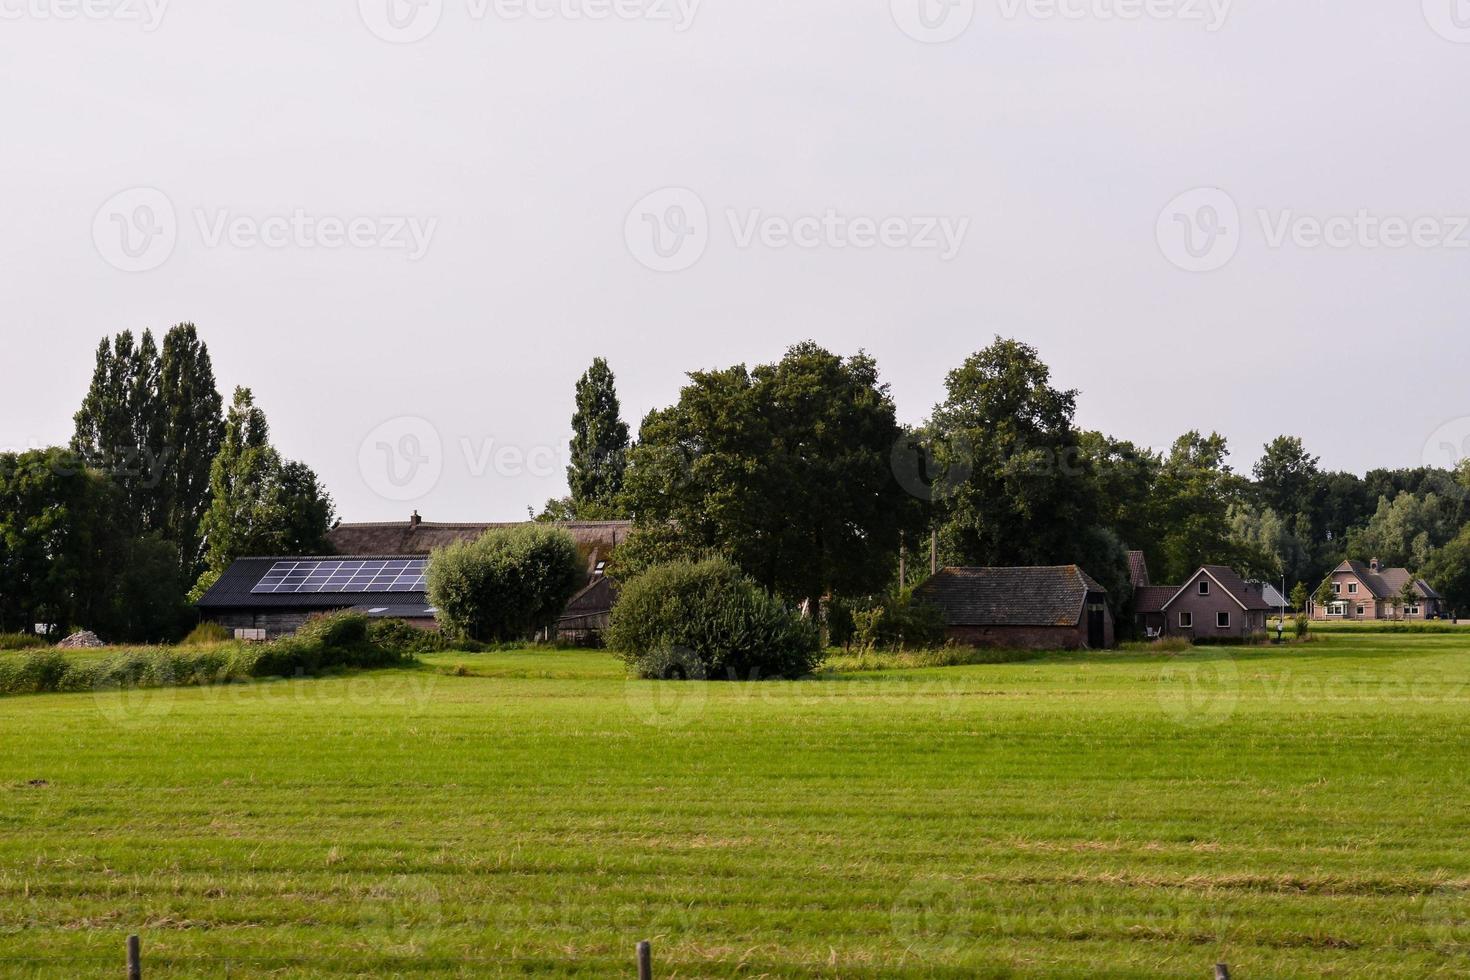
x: 56, y: 529
x: 259, y: 505
x: 1406, y: 530
x: 599, y: 440
x: 1195, y: 493
x: 785, y: 469
x: 1028, y: 492
x: 1287, y: 478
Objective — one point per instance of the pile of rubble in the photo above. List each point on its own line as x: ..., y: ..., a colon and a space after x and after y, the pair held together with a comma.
x: 85, y: 640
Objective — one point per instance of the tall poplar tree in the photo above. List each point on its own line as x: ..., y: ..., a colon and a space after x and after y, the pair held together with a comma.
x: 193, y: 429
x: 599, y: 439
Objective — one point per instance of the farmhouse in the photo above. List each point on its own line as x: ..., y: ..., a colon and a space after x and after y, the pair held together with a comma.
x: 1214, y: 604
x: 1373, y: 591
x: 379, y: 570
x: 1058, y: 607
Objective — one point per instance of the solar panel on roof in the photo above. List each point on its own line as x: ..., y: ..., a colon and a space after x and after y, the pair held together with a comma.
x: 346, y: 576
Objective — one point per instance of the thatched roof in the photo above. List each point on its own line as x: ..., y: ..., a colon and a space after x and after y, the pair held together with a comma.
x: 1048, y: 596
x: 421, y: 537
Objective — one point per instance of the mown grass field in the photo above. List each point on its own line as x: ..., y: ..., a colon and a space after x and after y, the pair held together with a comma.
x: 1295, y: 812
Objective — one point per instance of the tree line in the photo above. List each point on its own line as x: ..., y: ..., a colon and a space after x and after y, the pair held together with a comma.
x: 801, y: 474
x: 797, y: 471
x: 159, y: 490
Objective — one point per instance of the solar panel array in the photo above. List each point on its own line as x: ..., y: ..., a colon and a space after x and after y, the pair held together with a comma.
x: 361, y: 575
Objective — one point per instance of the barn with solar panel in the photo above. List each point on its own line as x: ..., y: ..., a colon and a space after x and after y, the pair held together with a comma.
x: 263, y: 598
x: 379, y: 570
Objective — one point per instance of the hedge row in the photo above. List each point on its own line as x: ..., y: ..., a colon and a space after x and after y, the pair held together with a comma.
x: 338, y: 642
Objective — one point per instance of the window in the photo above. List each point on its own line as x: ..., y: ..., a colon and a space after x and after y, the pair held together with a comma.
x: 1337, y: 588
x: 1222, y: 620
x: 1204, y: 587
x: 1337, y: 609
x: 1361, y: 610
x: 1352, y: 588
x: 1186, y: 621
x: 1411, y: 610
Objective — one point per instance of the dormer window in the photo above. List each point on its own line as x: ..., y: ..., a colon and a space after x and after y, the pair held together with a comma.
x: 599, y: 570
x: 1204, y: 587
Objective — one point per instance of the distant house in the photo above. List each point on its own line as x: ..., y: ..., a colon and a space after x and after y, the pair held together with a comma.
x: 379, y: 569
x: 1059, y: 607
x: 1214, y: 604
x: 1373, y: 591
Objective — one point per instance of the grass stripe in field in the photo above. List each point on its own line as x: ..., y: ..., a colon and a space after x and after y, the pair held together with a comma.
x: 1294, y: 811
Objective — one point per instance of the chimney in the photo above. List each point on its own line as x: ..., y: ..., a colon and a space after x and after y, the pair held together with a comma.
x: 416, y: 520
x: 1373, y: 564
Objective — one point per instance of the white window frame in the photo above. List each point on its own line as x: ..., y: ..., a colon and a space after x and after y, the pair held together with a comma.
x: 1412, y: 610
x: 1352, y: 588
x: 1186, y: 621
x: 1337, y: 588
x: 1362, y: 610
x: 1226, y: 617
x: 1337, y: 609
x: 1204, y: 586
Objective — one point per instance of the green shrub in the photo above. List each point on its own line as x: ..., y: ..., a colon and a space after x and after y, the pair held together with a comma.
x: 22, y: 641
x: 898, y: 623
x: 507, y: 585
x: 1302, y: 627
x: 338, y: 629
x: 403, y: 637
x: 705, y: 620
x: 207, y: 634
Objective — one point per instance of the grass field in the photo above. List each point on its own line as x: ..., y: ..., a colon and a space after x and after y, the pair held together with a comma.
x: 1296, y: 812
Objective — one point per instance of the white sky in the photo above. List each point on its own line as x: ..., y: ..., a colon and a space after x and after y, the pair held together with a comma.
x: 528, y: 141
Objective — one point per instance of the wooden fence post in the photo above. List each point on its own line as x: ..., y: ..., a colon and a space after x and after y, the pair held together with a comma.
x: 1222, y: 972
x: 645, y: 960
x: 135, y: 959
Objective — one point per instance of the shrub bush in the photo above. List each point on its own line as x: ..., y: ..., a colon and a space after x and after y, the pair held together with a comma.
x: 404, y: 638
x: 507, y: 585
x: 207, y: 634
x: 337, y: 629
x: 22, y: 641
x: 897, y: 623
x: 705, y: 620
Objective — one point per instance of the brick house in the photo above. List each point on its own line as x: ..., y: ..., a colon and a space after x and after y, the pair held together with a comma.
x: 1373, y: 591
x: 1215, y: 603
x: 1049, y: 608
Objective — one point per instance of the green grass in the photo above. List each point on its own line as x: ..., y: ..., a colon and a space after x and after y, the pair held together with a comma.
x: 1295, y: 812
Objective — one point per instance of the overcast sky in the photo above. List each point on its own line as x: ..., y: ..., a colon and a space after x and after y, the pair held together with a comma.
x: 408, y: 225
